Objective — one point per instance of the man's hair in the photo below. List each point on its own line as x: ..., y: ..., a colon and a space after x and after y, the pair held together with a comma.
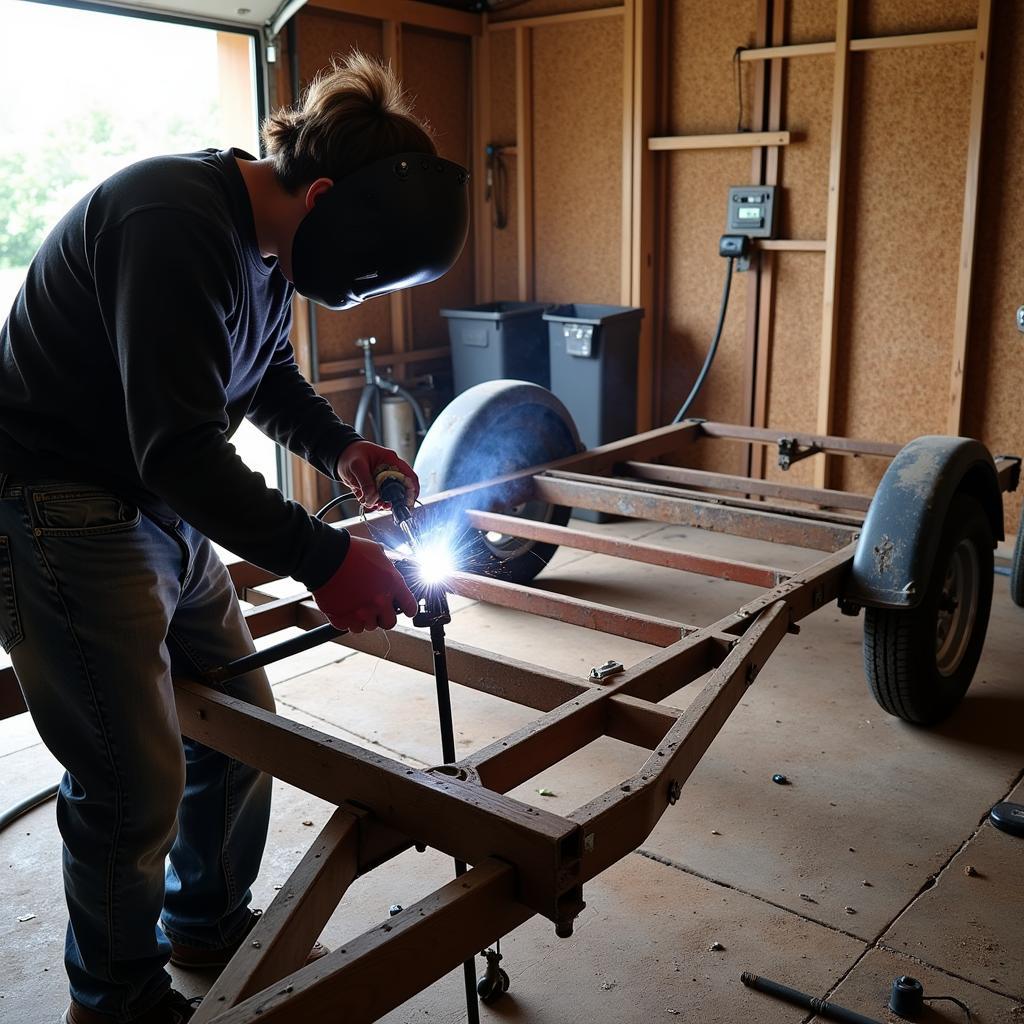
x: 349, y: 116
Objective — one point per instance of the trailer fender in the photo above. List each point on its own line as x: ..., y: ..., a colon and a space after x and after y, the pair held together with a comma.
x: 896, y: 551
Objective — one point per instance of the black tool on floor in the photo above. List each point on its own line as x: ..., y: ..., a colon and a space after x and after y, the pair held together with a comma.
x: 802, y: 999
x: 907, y: 998
x: 1008, y: 818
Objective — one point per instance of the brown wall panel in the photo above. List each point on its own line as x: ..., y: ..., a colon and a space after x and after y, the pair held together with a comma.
x: 697, y: 185
x: 907, y: 152
x: 994, y: 400
x: 793, y: 376
x: 803, y: 166
x: 539, y: 8
x: 702, y: 86
x: 503, y: 132
x: 321, y: 36
x: 810, y: 21
x: 901, y: 17
x: 577, y: 165
x: 444, y: 101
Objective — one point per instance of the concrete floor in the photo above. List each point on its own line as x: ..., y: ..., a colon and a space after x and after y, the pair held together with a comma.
x: 835, y: 884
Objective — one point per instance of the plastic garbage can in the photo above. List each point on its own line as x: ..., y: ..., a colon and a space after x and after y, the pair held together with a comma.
x: 498, y: 341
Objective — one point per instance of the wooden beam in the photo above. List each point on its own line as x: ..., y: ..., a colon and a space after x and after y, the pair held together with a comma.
x: 969, y: 228
x: 833, y: 234
x: 556, y: 19
x: 626, y: 232
x: 790, y: 244
x: 304, y: 476
x: 732, y: 140
x: 646, y: 117
x: 901, y: 42
x: 761, y: 265
x: 408, y: 12
x: 484, y: 233
x: 328, y: 370
x: 400, y: 302
x: 766, y: 291
x: 524, y: 163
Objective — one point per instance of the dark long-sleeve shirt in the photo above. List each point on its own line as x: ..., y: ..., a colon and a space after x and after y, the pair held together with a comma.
x: 149, y: 325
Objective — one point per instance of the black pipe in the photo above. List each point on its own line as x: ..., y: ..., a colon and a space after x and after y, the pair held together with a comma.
x: 15, y: 811
x: 801, y: 999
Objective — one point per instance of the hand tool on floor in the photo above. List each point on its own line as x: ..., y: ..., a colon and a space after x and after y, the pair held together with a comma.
x: 797, y: 998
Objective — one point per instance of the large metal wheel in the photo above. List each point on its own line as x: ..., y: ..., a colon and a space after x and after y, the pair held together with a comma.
x: 1017, y: 566
x: 493, y: 429
x: 920, y: 661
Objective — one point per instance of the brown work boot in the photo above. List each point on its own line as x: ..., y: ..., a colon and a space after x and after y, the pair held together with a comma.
x: 196, y: 959
x: 173, y: 1008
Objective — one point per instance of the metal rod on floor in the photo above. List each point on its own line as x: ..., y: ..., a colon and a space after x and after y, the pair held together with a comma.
x: 802, y: 999
x: 444, y: 716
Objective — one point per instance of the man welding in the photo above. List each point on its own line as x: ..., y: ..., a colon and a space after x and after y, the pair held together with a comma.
x: 153, y: 319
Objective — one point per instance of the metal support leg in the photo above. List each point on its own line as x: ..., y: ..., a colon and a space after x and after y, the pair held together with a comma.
x: 444, y: 716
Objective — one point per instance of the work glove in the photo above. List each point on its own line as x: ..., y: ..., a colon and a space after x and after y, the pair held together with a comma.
x: 362, y: 462
x: 366, y: 590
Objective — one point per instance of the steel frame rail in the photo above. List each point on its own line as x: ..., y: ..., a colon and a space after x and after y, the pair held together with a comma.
x: 525, y: 860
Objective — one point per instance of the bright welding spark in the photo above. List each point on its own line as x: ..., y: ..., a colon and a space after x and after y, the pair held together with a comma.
x: 435, y: 562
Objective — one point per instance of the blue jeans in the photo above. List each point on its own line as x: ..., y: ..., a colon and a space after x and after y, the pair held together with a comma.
x: 100, y: 606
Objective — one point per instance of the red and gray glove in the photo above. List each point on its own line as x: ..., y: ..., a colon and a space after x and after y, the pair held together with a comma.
x: 365, y: 591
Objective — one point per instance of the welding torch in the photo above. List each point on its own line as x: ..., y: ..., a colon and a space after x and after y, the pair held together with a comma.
x: 391, y: 488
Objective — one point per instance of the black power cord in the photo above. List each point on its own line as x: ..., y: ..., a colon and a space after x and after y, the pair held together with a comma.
x: 710, y: 358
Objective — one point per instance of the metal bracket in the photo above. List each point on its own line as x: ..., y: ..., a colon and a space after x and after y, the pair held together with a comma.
x: 609, y: 668
x: 791, y: 451
x: 1016, y: 460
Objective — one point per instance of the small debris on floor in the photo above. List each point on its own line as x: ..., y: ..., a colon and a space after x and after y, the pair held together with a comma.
x: 809, y: 899
x: 675, y: 1013
x: 307, y: 822
x: 866, y: 882
x: 780, y: 780
x: 544, y: 791
x: 25, y: 917
x: 715, y: 832
x: 277, y: 888
x: 716, y: 947
x: 607, y: 986
x: 971, y: 871
x: 849, y: 910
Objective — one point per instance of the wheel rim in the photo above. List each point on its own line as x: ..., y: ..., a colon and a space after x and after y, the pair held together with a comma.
x: 506, y: 547
x: 958, y: 607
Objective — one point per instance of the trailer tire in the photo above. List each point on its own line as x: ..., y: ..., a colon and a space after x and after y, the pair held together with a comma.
x: 919, y: 661
x: 1017, y: 566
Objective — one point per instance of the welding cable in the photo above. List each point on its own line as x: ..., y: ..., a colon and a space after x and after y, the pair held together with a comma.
x: 702, y: 376
x: 13, y: 813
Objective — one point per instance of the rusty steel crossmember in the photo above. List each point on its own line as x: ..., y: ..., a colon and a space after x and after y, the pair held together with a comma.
x: 524, y: 860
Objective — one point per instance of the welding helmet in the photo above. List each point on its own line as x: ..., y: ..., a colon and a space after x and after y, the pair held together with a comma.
x: 391, y: 224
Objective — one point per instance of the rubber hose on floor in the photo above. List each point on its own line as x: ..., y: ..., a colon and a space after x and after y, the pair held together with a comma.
x: 12, y: 814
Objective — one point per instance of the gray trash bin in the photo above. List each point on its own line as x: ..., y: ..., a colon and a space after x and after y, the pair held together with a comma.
x: 593, y: 371
x: 498, y: 341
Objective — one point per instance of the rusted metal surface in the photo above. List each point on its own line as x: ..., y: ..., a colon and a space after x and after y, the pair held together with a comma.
x: 822, y: 442
x: 651, y: 554
x: 525, y: 860
x: 774, y: 526
x: 745, y: 485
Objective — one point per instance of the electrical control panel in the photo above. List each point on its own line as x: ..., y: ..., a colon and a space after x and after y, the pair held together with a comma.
x: 751, y: 211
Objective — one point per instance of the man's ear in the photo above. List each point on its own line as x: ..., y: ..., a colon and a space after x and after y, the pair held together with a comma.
x: 316, y: 190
